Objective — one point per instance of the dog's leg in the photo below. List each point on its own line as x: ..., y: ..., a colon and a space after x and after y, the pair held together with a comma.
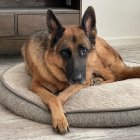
x: 108, y: 81
x: 59, y: 120
x: 69, y: 91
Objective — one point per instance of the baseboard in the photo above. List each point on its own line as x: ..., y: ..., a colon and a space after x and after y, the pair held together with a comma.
x: 124, y: 41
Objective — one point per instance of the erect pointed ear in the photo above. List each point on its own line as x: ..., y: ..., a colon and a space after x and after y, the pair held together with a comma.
x: 54, y: 26
x: 88, y: 23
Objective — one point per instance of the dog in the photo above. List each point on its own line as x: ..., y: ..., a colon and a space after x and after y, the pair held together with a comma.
x: 62, y: 60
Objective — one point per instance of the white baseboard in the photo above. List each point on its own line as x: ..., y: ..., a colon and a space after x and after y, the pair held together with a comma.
x: 124, y: 41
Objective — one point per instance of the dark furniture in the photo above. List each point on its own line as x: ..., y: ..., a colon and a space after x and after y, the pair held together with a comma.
x: 19, y: 19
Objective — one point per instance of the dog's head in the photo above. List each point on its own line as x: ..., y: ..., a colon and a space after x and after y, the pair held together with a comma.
x: 73, y: 44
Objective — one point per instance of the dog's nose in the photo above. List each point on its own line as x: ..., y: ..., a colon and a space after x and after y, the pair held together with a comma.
x: 77, y: 79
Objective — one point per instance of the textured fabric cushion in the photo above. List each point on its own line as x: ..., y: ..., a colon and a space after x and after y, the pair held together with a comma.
x: 109, y: 105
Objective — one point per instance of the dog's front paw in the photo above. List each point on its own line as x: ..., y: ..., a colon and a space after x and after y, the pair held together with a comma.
x: 60, y: 124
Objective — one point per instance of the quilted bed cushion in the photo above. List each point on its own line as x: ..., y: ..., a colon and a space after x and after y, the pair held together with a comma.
x: 109, y: 105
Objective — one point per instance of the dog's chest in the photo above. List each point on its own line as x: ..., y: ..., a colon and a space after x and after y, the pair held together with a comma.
x: 55, y: 89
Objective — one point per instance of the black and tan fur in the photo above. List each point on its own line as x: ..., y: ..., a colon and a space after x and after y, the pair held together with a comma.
x: 63, y: 60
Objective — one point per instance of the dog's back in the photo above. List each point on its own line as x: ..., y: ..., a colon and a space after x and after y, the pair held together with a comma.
x: 107, y: 61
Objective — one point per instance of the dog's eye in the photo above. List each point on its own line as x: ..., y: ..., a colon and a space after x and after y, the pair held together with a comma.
x: 66, y: 53
x: 83, y: 51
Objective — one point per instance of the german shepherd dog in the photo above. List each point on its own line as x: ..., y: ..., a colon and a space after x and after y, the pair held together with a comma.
x: 62, y: 60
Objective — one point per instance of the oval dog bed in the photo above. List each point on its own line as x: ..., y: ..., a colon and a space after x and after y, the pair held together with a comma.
x: 110, y: 105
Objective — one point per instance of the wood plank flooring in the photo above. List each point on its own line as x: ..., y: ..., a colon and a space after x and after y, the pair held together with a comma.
x: 13, y: 127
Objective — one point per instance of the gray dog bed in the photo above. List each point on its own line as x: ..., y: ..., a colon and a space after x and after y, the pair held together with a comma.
x: 110, y: 105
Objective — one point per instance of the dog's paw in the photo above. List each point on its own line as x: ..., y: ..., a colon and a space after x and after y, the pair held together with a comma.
x: 60, y: 124
x: 96, y: 81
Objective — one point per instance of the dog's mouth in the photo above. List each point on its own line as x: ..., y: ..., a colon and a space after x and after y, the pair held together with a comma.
x: 76, y: 71
x: 78, y: 79
x: 71, y: 82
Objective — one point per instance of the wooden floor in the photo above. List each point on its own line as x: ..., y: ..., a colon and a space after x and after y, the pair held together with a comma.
x: 13, y: 127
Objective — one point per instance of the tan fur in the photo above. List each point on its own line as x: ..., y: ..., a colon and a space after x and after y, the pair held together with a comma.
x: 48, y: 68
x: 49, y: 76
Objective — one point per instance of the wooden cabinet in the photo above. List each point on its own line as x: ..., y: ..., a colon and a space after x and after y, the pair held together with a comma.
x: 19, y: 19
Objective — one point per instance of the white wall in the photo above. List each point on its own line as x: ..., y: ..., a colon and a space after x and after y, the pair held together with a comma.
x: 118, y: 21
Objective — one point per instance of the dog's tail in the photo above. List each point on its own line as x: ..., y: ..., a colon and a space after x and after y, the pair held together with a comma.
x: 130, y: 72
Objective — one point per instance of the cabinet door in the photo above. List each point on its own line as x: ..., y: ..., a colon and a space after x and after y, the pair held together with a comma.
x: 7, y: 25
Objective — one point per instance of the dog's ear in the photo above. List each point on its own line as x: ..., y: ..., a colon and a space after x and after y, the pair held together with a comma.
x: 54, y: 26
x: 88, y: 23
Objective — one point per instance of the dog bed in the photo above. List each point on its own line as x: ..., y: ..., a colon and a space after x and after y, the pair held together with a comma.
x: 110, y: 105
